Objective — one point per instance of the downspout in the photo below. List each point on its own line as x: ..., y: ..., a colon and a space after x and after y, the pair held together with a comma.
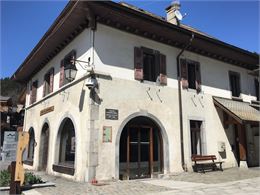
x: 180, y: 102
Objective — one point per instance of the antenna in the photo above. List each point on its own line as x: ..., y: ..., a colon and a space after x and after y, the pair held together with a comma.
x: 178, y: 15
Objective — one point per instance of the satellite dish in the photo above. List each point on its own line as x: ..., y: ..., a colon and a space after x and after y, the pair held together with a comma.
x: 178, y: 15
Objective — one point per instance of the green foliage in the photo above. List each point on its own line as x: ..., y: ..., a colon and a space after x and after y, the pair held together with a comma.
x: 5, y: 178
x: 30, y: 179
x: 10, y: 88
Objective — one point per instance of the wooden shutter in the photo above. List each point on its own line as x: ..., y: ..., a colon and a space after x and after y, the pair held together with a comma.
x: 61, y: 73
x: 51, y: 79
x: 184, y: 74
x: 198, y: 78
x: 34, y: 91
x: 44, y: 86
x: 30, y: 88
x: 138, y: 63
x: 163, y: 70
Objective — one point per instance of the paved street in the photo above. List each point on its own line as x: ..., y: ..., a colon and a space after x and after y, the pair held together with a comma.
x: 231, y: 181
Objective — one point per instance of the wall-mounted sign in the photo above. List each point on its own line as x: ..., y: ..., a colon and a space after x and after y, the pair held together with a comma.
x: 111, y: 114
x: 46, y: 110
x: 107, y: 134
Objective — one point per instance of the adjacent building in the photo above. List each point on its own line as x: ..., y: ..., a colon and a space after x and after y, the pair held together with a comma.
x: 115, y: 92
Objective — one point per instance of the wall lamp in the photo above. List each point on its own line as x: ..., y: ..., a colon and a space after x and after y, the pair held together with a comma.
x: 71, y: 71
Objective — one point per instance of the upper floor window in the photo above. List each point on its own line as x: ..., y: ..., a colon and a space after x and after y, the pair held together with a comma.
x: 190, y: 74
x: 234, y: 79
x: 150, y: 65
x: 257, y: 89
x: 67, y: 59
x: 48, y: 82
x: 33, y: 94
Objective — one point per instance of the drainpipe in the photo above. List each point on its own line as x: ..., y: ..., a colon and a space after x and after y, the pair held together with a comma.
x: 180, y: 101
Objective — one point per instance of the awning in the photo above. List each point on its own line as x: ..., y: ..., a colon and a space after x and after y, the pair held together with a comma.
x: 240, y: 111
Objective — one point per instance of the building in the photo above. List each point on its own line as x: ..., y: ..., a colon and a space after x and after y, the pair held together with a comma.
x: 115, y: 92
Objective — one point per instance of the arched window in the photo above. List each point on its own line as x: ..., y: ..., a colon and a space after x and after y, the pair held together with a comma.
x: 31, y: 146
x: 67, y: 144
x: 67, y: 147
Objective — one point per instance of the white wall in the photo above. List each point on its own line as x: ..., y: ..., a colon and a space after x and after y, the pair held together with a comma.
x: 114, y: 55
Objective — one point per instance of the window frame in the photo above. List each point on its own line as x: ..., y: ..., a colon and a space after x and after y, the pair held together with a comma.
x: 50, y: 82
x: 236, y: 74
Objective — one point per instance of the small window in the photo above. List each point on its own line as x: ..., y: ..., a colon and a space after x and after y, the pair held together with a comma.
x: 190, y: 74
x: 150, y: 72
x: 195, y: 133
x: 33, y: 95
x: 234, y: 79
x: 257, y: 89
x: 150, y: 65
x: 48, y: 82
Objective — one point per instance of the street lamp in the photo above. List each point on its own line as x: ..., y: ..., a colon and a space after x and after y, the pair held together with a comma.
x: 70, y: 71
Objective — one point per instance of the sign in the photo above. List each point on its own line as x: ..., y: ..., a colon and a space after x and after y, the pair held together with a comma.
x: 46, y: 110
x: 111, y: 114
x: 10, y: 145
x: 107, y: 134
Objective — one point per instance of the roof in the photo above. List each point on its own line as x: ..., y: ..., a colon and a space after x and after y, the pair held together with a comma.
x: 241, y: 111
x: 4, y: 98
x: 78, y: 15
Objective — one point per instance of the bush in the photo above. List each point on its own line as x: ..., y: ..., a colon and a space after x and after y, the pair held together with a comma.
x: 30, y: 179
x: 5, y: 178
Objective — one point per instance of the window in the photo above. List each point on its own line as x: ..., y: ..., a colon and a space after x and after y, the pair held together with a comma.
x: 150, y: 65
x: 48, y: 82
x: 190, y: 74
x: 257, y: 89
x: 67, y: 59
x: 33, y: 95
x: 31, y: 145
x: 195, y: 134
x: 67, y: 144
x: 234, y: 79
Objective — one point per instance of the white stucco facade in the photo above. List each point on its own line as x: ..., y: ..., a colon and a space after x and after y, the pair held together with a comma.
x: 113, y: 59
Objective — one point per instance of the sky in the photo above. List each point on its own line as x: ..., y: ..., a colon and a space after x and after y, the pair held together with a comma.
x: 23, y: 23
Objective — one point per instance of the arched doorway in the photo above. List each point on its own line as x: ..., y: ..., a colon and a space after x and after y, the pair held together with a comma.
x: 44, y: 147
x: 67, y: 143
x: 65, y: 148
x: 141, y: 149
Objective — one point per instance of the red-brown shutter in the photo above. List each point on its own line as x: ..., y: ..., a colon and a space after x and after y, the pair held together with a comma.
x: 30, y: 88
x: 44, y: 86
x: 184, y: 74
x: 163, y: 70
x: 138, y: 63
x: 51, y: 79
x: 198, y: 78
x: 34, y: 91
x: 61, y: 73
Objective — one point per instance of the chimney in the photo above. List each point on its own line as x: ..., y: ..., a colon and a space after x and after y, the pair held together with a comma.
x: 171, y: 17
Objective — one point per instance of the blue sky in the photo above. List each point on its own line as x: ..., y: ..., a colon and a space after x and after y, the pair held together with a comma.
x: 23, y: 23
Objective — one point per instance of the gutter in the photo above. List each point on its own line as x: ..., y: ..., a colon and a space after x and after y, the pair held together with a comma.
x: 180, y: 101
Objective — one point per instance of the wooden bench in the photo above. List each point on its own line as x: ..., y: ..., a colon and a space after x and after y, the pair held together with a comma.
x: 206, y: 162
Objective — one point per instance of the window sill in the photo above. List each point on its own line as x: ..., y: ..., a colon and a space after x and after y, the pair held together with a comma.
x: 239, y: 99
x: 63, y: 169
x: 28, y: 162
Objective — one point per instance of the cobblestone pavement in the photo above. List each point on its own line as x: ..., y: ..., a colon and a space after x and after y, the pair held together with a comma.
x: 230, y: 181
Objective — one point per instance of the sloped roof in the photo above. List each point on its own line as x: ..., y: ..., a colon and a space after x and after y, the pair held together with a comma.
x: 78, y: 15
x: 242, y: 111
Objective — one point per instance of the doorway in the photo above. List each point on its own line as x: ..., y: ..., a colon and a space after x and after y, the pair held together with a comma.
x: 44, y: 148
x: 141, y: 153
